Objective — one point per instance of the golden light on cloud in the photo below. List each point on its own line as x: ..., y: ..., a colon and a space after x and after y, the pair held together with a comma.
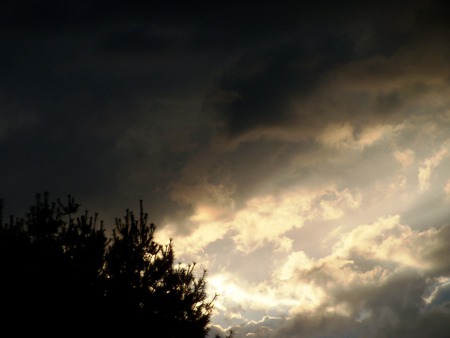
x: 207, y: 213
x: 429, y: 164
x: 267, y: 218
x: 295, y: 259
x: 253, y: 297
x: 342, y: 136
x: 405, y: 157
x: 193, y: 244
x: 447, y: 190
x: 387, y: 240
x: 372, y: 134
x: 337, y: 135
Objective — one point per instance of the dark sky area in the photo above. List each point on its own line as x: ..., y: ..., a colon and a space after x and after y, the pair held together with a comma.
x: 311, y: 138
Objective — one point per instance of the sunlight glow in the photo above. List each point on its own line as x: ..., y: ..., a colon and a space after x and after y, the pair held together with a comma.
x: 207, y: 213
x: 230, y: 292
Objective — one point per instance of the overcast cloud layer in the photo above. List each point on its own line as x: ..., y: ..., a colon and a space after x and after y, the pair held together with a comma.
x: 298, y: 152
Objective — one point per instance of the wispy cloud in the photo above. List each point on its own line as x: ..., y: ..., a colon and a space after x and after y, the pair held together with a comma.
x: 429, y: 164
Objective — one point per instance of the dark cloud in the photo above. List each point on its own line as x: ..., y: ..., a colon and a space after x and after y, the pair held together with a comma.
x: 395, y: 308
x: 287, y: 81
x: 438, y: 255
x: 261, y: 85
x: 428, y: 324
x: 321, y: 326
x: 91, y: 102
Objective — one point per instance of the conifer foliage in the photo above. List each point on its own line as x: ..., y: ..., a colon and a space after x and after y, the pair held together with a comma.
x: 61, y: 274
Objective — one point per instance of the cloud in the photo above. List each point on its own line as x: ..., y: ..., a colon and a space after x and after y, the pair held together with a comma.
x: 447, y: 190
x: 389, y: 241
x: 405, y: 158
x: 337, y: 135
x: 429, y: 164
x: 298, y: 152
x: 268, y: 218
x: 259, y: 96
x: 373, y: 311
x: 378, y: 278
x: 300, y: 91
x: 345, y: 136
x: 382, y: 279
x: 438, y: 253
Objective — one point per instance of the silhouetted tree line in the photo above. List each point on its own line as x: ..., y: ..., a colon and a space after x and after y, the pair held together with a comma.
x: 61, y: 274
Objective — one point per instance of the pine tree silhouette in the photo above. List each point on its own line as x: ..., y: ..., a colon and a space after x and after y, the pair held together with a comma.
x: 61, y: 274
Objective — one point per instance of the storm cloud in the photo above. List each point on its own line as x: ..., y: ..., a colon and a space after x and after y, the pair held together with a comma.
x: 298, y: 151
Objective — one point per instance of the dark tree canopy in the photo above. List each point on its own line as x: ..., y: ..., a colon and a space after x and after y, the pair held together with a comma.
x: 62, y: 274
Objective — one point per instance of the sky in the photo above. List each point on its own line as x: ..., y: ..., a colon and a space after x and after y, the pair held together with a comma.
x: 298, y: 151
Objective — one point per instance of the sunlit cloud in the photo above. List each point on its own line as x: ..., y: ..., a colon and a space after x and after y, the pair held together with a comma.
x: 267, y: 219
x: 364, y: 259
x: 337, y: 135
x: 429, y: 164
x: 207, y: 213
x: 344, y: 135
x: 387, y: 241
x: 405, y: 157
x: 240, y: 301
x: 372, y: 134
x: 447, y: 190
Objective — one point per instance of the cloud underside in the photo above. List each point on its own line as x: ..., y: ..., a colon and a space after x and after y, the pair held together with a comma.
x: 295, y: 91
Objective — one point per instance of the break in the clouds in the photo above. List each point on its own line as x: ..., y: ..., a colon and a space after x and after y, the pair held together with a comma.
x: 299, y: 152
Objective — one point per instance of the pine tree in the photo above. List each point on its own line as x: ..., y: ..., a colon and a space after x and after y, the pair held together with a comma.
x: 61, y: 274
